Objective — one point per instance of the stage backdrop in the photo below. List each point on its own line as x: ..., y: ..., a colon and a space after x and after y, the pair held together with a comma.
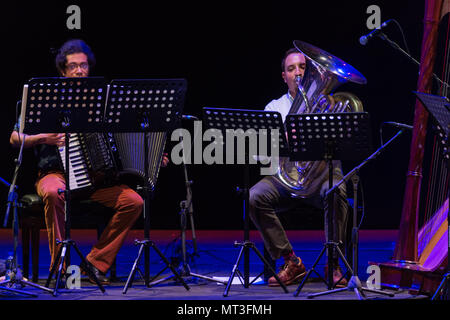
x: 230, y: 55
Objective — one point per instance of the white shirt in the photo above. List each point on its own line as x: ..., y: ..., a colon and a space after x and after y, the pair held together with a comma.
x: 282, y: 105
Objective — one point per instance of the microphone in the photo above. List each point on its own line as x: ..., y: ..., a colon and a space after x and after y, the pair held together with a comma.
x: 399, y: 125
x: 364, y: 39
x: 188, y: 117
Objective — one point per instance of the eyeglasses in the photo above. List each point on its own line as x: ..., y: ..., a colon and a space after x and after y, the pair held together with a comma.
x: 73, y: 66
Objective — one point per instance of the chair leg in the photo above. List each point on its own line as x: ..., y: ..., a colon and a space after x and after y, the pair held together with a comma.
x: 35, y: 238
x: 26, y: 250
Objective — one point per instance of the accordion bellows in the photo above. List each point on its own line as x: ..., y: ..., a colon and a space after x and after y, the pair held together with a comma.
x: 95, y: 157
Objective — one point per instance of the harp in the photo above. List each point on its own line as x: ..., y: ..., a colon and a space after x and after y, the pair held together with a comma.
x: 421, y: 252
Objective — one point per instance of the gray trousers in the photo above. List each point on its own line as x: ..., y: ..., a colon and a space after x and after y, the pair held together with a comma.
x: 269, y: 198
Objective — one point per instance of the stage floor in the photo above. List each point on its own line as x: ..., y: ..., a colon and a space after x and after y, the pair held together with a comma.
x: 216, y: 256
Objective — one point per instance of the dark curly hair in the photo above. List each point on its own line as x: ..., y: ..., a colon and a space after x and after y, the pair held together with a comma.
x: 70, y: 47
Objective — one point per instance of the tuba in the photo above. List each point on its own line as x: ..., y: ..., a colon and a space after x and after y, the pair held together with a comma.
x: 323, y: 74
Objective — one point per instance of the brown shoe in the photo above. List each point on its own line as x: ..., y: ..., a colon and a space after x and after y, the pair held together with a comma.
x: 338, y: 279
x: 289, y: 274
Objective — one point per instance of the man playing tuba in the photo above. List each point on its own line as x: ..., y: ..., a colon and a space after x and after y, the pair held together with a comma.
x: 271, y: 196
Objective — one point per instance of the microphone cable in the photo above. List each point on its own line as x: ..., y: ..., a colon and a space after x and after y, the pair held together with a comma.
x: 403, y: 36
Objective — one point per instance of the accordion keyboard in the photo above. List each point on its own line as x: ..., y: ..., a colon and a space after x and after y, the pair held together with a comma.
x: 90, y: 160
x: 78, y: 168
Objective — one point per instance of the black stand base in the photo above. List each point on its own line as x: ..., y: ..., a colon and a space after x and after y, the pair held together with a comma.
x: 326, y: 247
x: 354, y: 283
x: 185, y: 272
x: 7, y: 286
x: 63, y: 255
x: 145, y: 245
x: 443, y: 288
x: 245, y: 246
x: 16, y: 290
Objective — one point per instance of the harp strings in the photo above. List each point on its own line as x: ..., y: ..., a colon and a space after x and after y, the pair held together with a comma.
x: 438, y: 178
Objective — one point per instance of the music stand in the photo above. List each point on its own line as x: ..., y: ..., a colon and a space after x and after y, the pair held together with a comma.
x: 328, y: 136
x: 64, y: 105
x: 439, y: 109
x: 226, y: 121
x: 144, y: 106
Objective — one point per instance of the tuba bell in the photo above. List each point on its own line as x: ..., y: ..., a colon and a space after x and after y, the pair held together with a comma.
x: 323, y: 74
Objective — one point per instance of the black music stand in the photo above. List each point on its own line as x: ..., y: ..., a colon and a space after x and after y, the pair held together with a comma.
x: 144, y: 106
x: 439, y: 108
x: 328, y: 136
x: 64, y: 105
x: 226, y: 121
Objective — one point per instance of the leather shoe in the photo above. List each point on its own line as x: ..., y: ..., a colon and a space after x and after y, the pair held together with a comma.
x: 290, y: 273
x: 338, y: 279
x: 90, y: 270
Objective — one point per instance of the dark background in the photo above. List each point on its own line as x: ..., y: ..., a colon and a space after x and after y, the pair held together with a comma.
x: 230, y: 55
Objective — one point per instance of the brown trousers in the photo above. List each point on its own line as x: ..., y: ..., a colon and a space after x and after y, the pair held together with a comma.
x: 124, y: 200
x: 268, y: 199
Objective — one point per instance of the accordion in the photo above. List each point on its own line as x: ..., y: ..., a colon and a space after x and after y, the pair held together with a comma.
x: 97, y: 160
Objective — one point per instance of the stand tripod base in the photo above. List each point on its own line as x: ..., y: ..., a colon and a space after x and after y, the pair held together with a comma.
x: 245, y: 246
x: 185, y: 272
x: 354, y: 284
x: 4, y: 286
x: 22, y: 283
x: 326, y: 246
x: 62, y: 256
x: 146, y: 244
x: 12, y: 290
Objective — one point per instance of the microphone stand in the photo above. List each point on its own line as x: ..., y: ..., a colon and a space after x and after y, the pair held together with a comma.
x: 354, y: 283
x: 186, y: 209
x: 12, y: 195
x: 394, y: 45
x: 13, y: 274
